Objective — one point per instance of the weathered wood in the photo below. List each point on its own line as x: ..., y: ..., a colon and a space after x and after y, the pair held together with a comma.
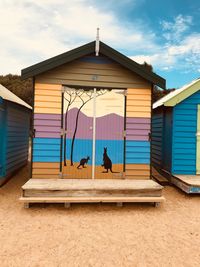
x: 91, y: 199
x: 84, y: 184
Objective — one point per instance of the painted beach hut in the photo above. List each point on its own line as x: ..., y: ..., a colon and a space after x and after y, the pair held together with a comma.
x: 92, y: 116
x: 176, y: 136
x: 14, y: 133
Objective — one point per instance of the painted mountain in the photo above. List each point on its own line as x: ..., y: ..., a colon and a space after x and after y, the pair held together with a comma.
x: 108, y: 127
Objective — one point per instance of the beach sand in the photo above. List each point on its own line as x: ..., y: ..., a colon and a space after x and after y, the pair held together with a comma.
x: 98, y: 234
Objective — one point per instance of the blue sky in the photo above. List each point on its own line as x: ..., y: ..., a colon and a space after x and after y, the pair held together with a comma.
x: 163, y: 33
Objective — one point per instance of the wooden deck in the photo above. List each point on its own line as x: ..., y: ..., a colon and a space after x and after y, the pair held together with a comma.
x: 87, y: 190
x: 188, y: 183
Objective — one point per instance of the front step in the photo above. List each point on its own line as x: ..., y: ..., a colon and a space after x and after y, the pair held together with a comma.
x: 87, y: 190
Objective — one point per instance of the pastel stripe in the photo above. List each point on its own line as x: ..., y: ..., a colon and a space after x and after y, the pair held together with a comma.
x: 138, y: 129
x: 137, y: 152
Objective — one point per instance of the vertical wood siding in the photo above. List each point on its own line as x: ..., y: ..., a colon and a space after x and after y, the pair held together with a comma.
x: 47, y: 126
x: 157, y: 137
x: 2, y: 138
x: 184, y: 135
x: 138, y: 124
x: 17, y: 136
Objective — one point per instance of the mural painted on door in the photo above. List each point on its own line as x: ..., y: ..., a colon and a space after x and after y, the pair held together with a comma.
x: 78, y: 137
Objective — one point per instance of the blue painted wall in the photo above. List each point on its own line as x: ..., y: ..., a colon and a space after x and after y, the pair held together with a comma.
x: 184, y: 135
x: 2, y: 138
x: 157, y: 138
x: 15, y: 137
x: 167, y: 139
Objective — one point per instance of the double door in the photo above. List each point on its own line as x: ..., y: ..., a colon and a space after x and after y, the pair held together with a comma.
x: 93, y: 140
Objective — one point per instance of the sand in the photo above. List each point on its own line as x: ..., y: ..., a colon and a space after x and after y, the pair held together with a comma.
x: 99, y: 235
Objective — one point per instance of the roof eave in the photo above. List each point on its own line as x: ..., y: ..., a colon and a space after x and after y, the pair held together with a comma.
x: 56, y: 61
x: 89, y: 48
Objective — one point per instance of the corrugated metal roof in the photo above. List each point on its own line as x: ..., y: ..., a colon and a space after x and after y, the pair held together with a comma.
x: 171, y: 95
x: 8, y: 95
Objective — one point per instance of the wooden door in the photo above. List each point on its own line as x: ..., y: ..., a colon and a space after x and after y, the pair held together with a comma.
x: 78, y: 132
x: 198, y: 142
x: 109, y: 143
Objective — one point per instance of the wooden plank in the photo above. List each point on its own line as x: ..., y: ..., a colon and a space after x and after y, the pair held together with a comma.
x: 139, y: 91
x: 45, y: 165
x: 91, y: 83
x: 43, y: 92
x: 90, y: 199
x: 191, y: 180
x: 138, y: 108
x: 47, y: 104
x: 137, y: 167
x: 47, y: 110
x: 46, y: 176
x: 43, y: 98
x: 138, y: 114
x: 48, y: 86
x: 84, y: 184
x: 45, y: 171
x: 138, y: 177
x: 141, y: 96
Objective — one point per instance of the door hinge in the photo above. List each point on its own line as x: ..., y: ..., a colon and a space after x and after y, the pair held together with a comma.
x: 62, y: 132
x: 124, y: 133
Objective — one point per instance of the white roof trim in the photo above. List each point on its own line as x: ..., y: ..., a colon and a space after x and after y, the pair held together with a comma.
x: 8, y: 95
x: 166, y: 98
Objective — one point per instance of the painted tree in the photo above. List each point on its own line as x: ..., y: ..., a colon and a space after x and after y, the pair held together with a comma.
x: 70, y: 96
x: 84, y: 96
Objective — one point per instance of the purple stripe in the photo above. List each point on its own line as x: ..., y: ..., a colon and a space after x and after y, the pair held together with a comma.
x: 137, y: 138
x: 138, y: 120
x: 47, y: 123
x: 137, y: 132
x: 47, y: 135
x: 47, y: 129
x: 138, y: 126
x: 41, y: 116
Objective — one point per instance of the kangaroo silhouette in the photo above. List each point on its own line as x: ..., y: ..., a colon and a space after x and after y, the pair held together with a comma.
x: 107, y: 163
x: 83, y: 162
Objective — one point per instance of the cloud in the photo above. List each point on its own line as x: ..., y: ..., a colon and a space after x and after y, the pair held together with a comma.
x: 35, y: 30
x: 173, y: 31
x: 180, y: 50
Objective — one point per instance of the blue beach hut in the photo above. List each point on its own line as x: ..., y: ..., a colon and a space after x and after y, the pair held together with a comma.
x: 176, y: 136
x: 14, y: 133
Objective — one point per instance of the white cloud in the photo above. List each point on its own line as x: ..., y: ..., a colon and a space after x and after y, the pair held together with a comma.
x: 37, y: 30
x: 32, y: 31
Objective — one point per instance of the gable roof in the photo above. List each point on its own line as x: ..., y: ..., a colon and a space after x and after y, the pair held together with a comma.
x: 8, y: 95
x: 177, y: 96
x: 85, y: 50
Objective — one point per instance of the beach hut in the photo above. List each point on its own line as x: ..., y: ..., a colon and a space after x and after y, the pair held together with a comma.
x: 92, y: 120
x: 176, y: 136
x: 14, y: 133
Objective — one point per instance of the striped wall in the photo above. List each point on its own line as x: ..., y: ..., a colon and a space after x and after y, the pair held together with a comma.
x: 94, y: 72
x: 47, y: 125
x: 17, y: 137
x: 184, y: 135
x: 138, y: 124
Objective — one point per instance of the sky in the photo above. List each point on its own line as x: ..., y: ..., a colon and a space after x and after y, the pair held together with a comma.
x: 164, y: 33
